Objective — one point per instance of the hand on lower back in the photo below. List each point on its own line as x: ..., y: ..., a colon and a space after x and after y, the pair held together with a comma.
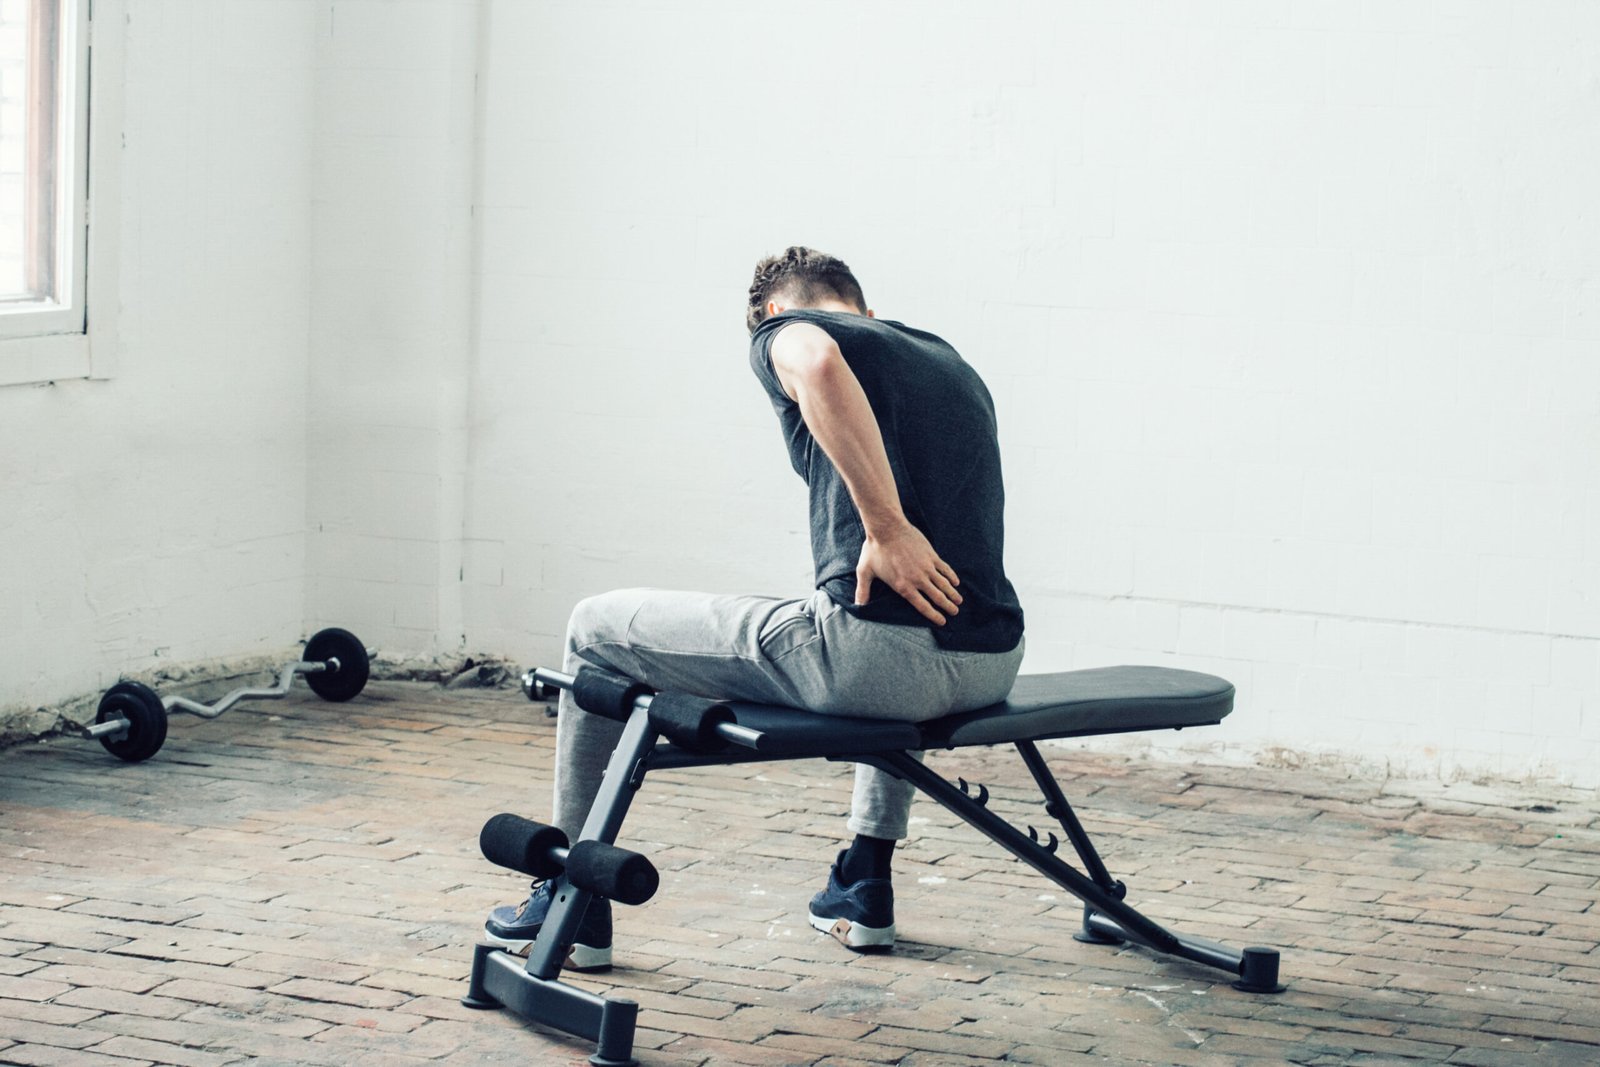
x: 905, y: 562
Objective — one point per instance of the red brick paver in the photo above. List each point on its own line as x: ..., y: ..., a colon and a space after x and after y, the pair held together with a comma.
x: 298, y: 882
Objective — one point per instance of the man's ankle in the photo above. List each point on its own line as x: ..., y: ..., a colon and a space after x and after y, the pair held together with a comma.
x: 867, y: 857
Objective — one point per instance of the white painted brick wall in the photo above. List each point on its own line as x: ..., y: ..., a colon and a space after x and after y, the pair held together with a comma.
x: 391, y: 319
x: 160, y: 515
x: 432, y: 326
x: 1289, y: 312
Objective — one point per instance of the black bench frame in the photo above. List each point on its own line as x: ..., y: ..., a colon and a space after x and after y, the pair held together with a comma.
x: 534, y: 989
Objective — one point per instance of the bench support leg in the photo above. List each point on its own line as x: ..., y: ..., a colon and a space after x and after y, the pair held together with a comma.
x: 1107, y: 917
x: 1055, y: 805
x: 499, y: 980
x: 534, y: 990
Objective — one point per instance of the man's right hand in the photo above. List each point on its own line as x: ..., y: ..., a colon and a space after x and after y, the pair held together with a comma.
x: 904, y: 560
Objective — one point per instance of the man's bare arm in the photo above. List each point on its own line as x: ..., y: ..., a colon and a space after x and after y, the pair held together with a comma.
x: 836, y: 410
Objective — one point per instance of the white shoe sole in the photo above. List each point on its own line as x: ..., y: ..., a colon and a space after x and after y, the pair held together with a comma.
x: 854, y: 935
x: 581, y: 958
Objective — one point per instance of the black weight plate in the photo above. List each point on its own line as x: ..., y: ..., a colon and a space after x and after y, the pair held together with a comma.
x: 351, y: 677
x: 147, y: 721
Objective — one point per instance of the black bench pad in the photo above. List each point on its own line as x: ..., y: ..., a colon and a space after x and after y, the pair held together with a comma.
x: 1069, y: 704
x: 1102, y: 700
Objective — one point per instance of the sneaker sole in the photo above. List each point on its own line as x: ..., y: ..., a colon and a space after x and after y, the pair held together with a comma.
x: 855, y: 936
x: 585, y: 959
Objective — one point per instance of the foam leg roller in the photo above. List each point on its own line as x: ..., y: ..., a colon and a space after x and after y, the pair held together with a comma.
x: 604, y: 693
x: 614, y: 873
x: 689, y: 722
x: 522, y: 845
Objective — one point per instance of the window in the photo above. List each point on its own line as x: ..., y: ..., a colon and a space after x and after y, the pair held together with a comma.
x: 43, y: 180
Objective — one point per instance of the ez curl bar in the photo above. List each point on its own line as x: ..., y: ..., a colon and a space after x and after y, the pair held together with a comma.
x: 131, y: 722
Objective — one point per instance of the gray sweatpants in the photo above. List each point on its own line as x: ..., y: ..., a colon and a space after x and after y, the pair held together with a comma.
x: 807, y: 654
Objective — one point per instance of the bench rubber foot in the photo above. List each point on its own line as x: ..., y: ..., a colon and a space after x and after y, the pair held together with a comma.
x: 1095, y: 937
x: 1258, y: 971
x: 481, y: 1005
x: 1089, y: 934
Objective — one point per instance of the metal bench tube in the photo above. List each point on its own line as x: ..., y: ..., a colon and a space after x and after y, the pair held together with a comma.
x: 624, y: 774
x: 1007, y: 837
x: 1105, y: 913
x: 730, y: 732
x: 499, y: 980
x: 535, y: 990
x: 1056, y: 805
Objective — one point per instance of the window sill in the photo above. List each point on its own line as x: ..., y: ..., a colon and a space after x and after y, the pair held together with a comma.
x: 31, y: 360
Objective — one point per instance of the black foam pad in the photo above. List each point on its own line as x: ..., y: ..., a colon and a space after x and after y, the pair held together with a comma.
x: 522, y: 845
x: 604, y: 693
x: 614, y: 873
x: 689, y: 722
x: 1099, y: 700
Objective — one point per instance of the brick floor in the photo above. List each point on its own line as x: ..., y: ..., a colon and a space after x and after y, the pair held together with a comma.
x: 298, y: 882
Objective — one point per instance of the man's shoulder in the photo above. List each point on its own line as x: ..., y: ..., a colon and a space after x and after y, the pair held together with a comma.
x: 865, y: 342
x: 889, y: 333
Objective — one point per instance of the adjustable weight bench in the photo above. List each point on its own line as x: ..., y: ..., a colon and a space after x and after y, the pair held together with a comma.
x: 669, y: 730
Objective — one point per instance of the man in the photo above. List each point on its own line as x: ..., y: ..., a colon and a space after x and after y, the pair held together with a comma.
x: 912, y: 617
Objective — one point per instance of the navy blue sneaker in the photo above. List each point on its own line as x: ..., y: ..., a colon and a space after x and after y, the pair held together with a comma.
x: 859, y: 915
x: 515, y: 926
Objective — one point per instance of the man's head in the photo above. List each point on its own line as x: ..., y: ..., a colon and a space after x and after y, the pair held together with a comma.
x: 801, y: 278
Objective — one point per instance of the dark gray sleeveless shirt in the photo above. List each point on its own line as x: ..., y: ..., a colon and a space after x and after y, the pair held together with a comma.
x: 938, y: 426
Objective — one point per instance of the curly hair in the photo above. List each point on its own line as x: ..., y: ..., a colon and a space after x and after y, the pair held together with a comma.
x: 805, y: 276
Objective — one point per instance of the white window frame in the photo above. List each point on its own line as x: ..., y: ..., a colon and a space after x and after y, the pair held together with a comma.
x: 73, y: 339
